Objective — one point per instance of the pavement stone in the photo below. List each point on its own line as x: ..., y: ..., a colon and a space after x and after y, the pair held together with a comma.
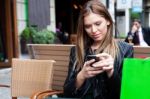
x: 5, y: 78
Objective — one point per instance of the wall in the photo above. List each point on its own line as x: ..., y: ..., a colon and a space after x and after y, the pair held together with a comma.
x: 146, y: 13
x: 52, y: 26
x: 21, y: 15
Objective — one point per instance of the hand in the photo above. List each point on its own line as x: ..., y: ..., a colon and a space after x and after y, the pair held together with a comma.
x: 106, y: 63
x: 134, y: 29
x: 89, y: 71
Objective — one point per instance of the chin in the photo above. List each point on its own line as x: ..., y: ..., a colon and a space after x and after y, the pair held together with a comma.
x: 98, y: 39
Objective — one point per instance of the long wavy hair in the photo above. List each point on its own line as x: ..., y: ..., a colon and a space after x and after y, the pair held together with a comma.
x: 108, y: 44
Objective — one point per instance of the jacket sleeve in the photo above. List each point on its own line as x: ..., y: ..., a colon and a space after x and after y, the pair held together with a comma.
x: 114, y: 83
x: 69, y: 85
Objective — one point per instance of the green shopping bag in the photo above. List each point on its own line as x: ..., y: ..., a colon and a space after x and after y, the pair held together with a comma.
x: 135, y: 79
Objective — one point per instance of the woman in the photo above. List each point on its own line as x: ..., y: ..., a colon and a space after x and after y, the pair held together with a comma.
x: 101, y: 79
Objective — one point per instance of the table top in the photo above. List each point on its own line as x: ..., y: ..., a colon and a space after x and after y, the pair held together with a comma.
x: 60, y: 98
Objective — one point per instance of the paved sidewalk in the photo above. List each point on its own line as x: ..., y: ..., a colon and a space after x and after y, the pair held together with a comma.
x: 5, y: 78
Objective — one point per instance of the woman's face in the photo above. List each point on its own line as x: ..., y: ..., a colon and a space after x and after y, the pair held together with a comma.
x: 96, y: 26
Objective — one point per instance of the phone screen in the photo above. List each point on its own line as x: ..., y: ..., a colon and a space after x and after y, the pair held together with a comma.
x: 89, y: 57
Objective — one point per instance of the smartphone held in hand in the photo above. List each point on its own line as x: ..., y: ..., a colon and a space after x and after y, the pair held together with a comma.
x: 89, y: 57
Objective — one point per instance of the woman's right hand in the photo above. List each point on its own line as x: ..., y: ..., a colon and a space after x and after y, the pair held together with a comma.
x: 88, y: 71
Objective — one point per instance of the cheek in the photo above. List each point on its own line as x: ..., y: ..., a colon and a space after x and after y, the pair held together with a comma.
x: 88, y: 31
x: 103, y: 29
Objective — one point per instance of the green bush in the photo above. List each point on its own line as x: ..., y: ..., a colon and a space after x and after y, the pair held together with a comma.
x: 31, y: 35
x: 27, y: 34
x: 43, y: 37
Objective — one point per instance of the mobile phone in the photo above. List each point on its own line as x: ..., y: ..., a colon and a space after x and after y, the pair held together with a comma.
x: 89, y: 57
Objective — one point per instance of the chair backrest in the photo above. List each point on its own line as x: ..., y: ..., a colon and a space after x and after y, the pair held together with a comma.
x: 58, y: 52
x: 141, y: 52
x: 73, y: 38
x: 30, y: 76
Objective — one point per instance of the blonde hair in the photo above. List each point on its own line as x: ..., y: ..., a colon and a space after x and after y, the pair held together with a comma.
x: 107, y: 45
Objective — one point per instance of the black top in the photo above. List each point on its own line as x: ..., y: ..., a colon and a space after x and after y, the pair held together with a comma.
x: 100, y: 86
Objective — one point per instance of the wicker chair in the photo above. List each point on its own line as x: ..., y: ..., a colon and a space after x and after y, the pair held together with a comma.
x: 58, y: 52
x: 45, y: 94
x: 29, y: 76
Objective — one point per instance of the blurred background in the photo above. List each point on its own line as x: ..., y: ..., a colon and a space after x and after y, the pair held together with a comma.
x: 55, y: 21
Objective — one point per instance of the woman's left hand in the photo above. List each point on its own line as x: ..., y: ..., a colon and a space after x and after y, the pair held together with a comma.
x: 106, y: 63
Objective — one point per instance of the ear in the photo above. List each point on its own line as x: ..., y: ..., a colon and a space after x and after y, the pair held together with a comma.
x: 108, y: 23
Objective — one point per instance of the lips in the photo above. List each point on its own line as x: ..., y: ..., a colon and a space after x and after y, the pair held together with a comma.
x: 96, y: 35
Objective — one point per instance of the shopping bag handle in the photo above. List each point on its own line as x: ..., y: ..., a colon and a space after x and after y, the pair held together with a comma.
x: 147, y: 58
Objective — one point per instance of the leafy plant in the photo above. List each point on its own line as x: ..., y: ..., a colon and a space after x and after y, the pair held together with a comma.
x: 134, y: 15
x: 43, y: 37
x: 31, y: 35
x: 27, y: 33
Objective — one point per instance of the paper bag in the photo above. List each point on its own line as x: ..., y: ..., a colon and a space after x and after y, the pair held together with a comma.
x: 135, y: 79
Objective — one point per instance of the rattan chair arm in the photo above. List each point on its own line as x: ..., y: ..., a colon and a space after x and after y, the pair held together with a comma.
x: 43, y: 94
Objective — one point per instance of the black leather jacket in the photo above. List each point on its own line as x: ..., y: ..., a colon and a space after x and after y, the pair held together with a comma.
x: 100, y: 86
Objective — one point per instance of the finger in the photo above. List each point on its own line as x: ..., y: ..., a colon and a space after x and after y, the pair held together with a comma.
x: 103, y: 55
x: 101, y: 58
x: 107, y: 67
x: 96, y: 68
x: 94, y: 73
x: 87, y: 63
x: 90, y: 62
x: 92, y: 68
x: 102, y: 63
x: 109, y: 62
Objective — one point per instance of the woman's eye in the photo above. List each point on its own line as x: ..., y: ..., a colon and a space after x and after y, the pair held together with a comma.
x: 98, y: 23
x: 87, y: 26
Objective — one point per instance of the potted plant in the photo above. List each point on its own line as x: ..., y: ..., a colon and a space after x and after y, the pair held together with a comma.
x: 25, y: 38
x: 43, y: 37
x: 31, y: 35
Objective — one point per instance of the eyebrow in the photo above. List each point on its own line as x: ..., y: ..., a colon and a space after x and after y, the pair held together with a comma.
x: 94, y: 22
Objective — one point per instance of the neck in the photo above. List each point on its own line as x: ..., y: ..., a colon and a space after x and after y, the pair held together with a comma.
x: 95, y: 45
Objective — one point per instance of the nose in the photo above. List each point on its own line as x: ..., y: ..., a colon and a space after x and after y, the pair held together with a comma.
x: 94, y: 29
